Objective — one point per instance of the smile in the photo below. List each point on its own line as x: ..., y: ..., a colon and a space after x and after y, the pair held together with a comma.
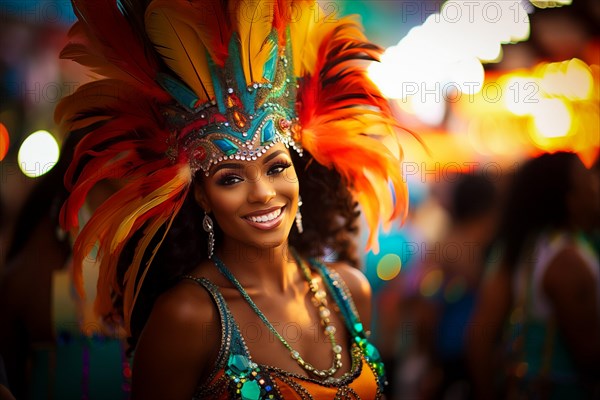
x: 268, y: 220
x: 265, y: 218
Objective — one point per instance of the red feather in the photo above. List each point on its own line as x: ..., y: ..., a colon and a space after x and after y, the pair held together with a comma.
x: 345, y: 118
x: 104, y: 26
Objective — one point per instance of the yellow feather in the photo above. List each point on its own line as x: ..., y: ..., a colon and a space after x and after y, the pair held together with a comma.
x: 131, y: 283
x: 131, y: 288
x: 255, y: 23
x: 177, y: 37
x: 147, y: 203
x: 304, y: 52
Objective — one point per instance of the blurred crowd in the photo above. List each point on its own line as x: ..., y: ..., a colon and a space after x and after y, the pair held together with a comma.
x: 502, y: 301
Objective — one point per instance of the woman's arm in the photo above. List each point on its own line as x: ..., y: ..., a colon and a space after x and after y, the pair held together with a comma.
x: 178, y: 345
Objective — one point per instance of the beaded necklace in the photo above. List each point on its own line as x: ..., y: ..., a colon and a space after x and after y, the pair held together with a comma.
x: 320, y: 301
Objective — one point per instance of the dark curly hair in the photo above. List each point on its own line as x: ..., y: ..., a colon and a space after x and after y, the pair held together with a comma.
x: 330, y: 223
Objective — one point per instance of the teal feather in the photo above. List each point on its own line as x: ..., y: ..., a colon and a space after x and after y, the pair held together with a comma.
x: 217, y: 87
x: 180, y: 92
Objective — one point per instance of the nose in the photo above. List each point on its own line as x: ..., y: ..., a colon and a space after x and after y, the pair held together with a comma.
x: 261, y: 190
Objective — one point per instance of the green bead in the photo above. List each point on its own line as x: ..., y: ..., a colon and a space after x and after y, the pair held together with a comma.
x: 250, y: 391
x: 238, y: 364
x: 379, y: 369
x: 362, y: 342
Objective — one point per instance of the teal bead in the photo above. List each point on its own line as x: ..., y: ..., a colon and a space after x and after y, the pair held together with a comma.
x: 239, y: 364
x: 358, y: 327
x: 250, y: 391
x: 371, y: 352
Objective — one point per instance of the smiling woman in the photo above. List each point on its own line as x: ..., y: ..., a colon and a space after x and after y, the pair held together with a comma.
x: 245, y: 139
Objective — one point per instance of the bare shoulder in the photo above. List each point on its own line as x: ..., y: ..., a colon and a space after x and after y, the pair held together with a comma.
x: 359, y: 288
x: 355, y: 280
x: 185, y: 312
x: 186, y: 303
x: 179, y: 343
x: 568, y: 274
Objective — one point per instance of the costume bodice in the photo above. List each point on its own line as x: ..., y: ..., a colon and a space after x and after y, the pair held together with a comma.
x: 237, y: 376
x: 543, y: 349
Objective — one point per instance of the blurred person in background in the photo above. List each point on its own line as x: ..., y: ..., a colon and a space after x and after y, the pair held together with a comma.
x: 472, y: 210
x: 388, y: 272
x: 595, y: 233
x: 458, y: 262
x: 545, y: 286
x: 53, y: 346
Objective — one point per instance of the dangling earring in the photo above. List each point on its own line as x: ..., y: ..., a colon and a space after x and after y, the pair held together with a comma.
x: 207, y: 224
x: 299, y: 217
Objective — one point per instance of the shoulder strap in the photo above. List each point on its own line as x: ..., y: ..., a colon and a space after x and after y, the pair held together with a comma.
x: 342, y: 297
x: 244, y: 378
x: 232, y: 342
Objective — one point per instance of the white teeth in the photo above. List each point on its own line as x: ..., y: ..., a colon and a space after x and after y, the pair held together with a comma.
x: 267, y: 217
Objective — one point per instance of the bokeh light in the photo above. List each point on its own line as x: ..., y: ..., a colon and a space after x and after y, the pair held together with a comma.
x: 552, y: 118
x: 431, y: 282
x: 4, y: 141
x: 389, y: 267
x: 550, y: 3
x: 448, y: 58
x: 38, y: 154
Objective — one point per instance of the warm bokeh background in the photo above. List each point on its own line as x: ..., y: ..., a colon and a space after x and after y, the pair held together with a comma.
x: 485, y: 85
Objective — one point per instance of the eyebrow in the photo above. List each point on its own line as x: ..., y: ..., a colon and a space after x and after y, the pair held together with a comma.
x: 272, y: 156
x: 240, y: 165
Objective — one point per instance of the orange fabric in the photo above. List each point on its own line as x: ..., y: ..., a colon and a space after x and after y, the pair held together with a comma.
x: 364, y: 385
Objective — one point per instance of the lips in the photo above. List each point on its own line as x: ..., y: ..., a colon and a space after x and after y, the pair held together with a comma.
x: 265, y: 219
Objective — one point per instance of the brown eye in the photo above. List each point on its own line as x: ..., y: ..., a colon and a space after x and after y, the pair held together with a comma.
x: 228, y: 180
x: 278, y: 168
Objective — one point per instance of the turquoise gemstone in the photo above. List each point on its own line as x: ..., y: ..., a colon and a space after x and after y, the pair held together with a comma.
x: 226, y: 146
x: 268, y: 132
x: 358, y: 327
x: 238, y: 364
x: 250, y: 391
x: 371, y: 351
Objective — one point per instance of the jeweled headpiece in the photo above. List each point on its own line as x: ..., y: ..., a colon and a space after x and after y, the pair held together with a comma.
x: 239, y: 118
x: 185, y: 84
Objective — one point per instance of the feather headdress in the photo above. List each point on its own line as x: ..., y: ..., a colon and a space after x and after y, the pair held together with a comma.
x: 185, y: 84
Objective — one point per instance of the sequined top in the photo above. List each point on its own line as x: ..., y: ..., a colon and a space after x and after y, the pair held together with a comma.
x: 236, y: 376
